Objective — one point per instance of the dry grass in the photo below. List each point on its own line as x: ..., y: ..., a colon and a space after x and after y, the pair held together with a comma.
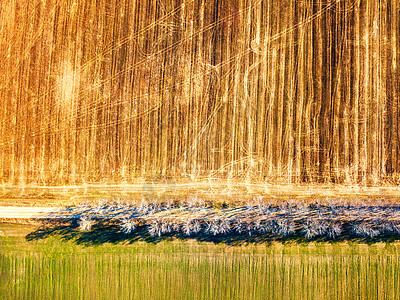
x: 218, y: 192
x: 269, y: 91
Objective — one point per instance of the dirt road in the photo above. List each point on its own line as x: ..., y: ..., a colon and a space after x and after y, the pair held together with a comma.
x: 27, y: 212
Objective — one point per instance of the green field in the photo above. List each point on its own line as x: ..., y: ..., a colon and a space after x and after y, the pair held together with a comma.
x: 57, y: 269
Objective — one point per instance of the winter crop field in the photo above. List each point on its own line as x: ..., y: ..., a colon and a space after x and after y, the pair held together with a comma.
x: 272, y: 91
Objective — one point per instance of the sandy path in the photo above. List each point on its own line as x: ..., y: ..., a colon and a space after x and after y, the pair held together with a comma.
x: 27, y: 212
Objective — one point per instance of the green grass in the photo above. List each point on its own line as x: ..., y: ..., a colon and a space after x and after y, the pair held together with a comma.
x: 56, y: 269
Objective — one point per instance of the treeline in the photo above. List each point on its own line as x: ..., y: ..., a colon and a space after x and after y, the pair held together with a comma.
x: 282, y: 91
x: 329, y: 219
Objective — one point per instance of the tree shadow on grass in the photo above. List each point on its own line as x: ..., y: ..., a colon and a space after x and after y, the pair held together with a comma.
x: 102, y: 232
x: 107, y: 231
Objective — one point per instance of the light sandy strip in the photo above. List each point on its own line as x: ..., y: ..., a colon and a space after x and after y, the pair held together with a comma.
x: 27, y: 212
